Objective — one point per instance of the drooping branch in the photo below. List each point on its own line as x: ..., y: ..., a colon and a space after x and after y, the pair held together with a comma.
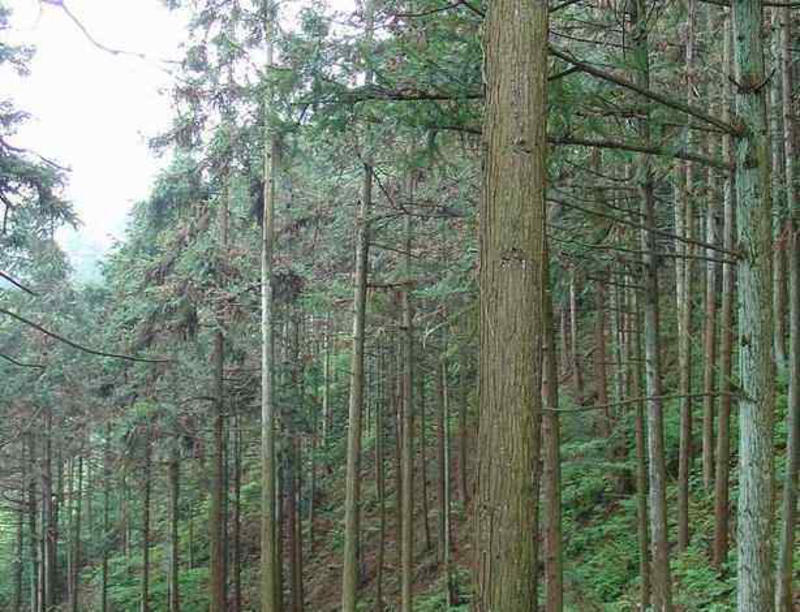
x: 17, y: 283
x: 21, y: 363
x: 647, y: 93
x: 76, y: 345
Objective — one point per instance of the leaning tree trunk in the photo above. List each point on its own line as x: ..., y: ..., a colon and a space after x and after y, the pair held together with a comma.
x: 757, y: 398
x: 511, y: 253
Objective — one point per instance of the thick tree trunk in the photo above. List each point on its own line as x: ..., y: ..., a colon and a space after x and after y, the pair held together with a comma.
x: 511, y: 253
x: 757, y: 399
x: 661, y: 582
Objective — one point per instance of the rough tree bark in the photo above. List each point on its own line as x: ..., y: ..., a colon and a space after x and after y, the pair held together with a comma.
x: 511, y: 256
x: 756, y: 404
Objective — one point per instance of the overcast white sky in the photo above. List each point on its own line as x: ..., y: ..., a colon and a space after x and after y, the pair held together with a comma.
x: 94, y: 111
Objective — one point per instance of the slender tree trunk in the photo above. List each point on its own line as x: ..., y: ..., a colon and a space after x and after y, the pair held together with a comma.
x: 350, y: 572
x: 756, y: 405
x: 270, y: 552
x: 511, y: 252
x: 33, y: 543
x: 722, y: 472
x: 295, y: 572
x: 423, y: 459
x: 145, y: 604
x: 76, y: 556
x: 441, y: 477
x: 637, y: 374
x: 786, y: 545
x: 174, y: 511
x: 452, y: 596
x: 684, y: 221
x: 215, y: 526
x: 551, y: 459
x: 463, y: 491
x: 710, y: 345
x: 18, y: 563
x: 380, y: 479
x: 661, y: 582
x: 48, y: 527
x: 600, y: 361
x: 577, y: 365
x: 407, y: 456
x: 326, y: 383
x: 776, y: 131
x: 237, y: 516
x: 397, y: 383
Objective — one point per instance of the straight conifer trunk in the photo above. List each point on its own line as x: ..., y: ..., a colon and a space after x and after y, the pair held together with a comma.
x: 722, y: 471
x: 786, y: 545
x: 145, y: 603
x: 270, y: 553
x: 684, y: 216
x: 174, y: 489
x: 511, y: 259
x: 350, y: 569
x: 756, y: 405
x: 551, y: 459
x: 661, y: 581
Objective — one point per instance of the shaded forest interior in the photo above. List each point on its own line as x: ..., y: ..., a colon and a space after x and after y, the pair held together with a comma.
x: 473, y: 305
